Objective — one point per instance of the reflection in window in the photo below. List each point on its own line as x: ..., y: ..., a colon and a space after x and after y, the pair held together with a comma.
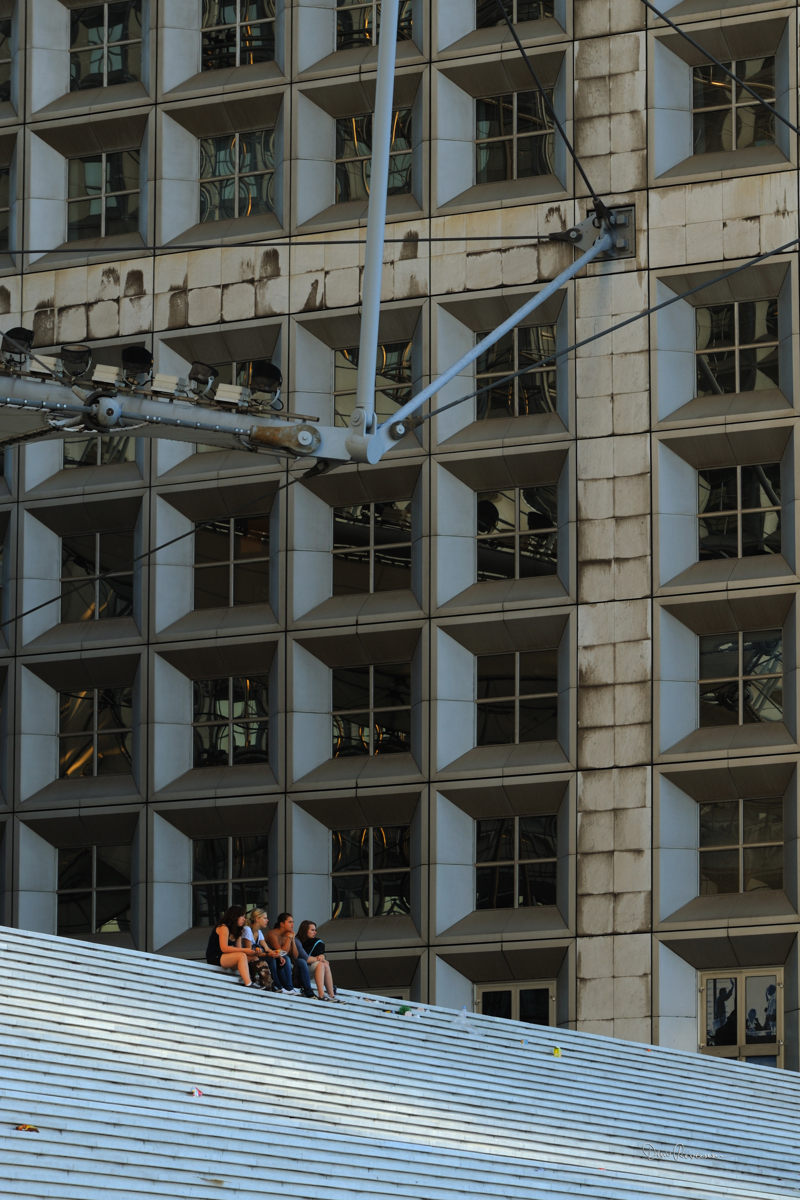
x: 371, y: 547
x: 725, y: 116
x: 237, y: 33
x: 95, y: 732
x: 517, y: 697
x: 98, y: 451
x: 237, y: 175
x: 231, y: 721
x: 487, y: 13
x: 741, y: 677
x: 354, y: 156
x: 742, y: 1016
x: 392, y: 381
x: 515, y: 861
x: 739, y: 511
x: 514, y: 137
x: 231, y: 562
x: 97, y: 575
x: 6, y: 59
x: 532, y: 1003
x: 103, y: 195
x: 226, y: 871
x: 94, y: 890
x: 105, y: 45
x: 533, y: 392
x: 737, y: 347
x: 371, y: 872
x: 741, y: 846
x: 5, y: 207
x: 517, y: 533
x: 358, y: 23
x: 371, y: 710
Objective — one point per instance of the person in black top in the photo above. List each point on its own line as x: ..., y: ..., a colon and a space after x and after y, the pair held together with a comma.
x: 225, y: 948
x: 318, y: 966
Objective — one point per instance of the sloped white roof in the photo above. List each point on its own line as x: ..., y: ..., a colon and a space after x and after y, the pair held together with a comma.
x: 101, y: 1049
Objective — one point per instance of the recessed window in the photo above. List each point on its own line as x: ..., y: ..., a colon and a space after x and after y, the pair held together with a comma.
x: 724, y: 115
x: 517, y: 697
x: 6, y: 59
x: 392, y: 381
x: 371, y: 710
x: 532, y: 1003
x: 97, y: 575
x: 533, y: 392
x: 741, y: 677
x: 105, y: 45
x: 237, y: 373
x: 487, y: 12
x: 741, y: 1016
x: 354, y: 156
x: 515, y: 861
x: 514, y: 137
x: 371, y: 547
x: 739, y: 511
x: 5, y: 207
x: 226, y: 871
x: 237, y: 175
x: 94, y: 890
x: 517, y: 533
x: 237, y: 33
x: 103, y: 197
x: 741, y: 846
x: 231, y: 721
x: 358, y: 23
x: 98, y: 451
x: 737, y: 347
x: 231, y: 562
x: 371, y: 872
x: 95, y: 732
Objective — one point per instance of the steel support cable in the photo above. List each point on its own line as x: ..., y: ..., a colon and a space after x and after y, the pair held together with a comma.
x: 707, y: 54
x: 601, y: 208
x: 612, y: 328
x: 288, y: 243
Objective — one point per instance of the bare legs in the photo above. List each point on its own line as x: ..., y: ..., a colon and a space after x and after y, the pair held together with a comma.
x: 238, y: 959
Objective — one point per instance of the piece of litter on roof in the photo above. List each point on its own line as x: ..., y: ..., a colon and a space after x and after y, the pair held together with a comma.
x: 26, y: 1128
x: 404, y: 1010
x: 195, y: 1092
x: 557, y: 1051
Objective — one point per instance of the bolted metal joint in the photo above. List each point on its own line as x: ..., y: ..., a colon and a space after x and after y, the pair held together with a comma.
x: 301, y: 440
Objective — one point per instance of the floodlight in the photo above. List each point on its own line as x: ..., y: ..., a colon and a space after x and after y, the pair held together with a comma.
x: 136, y: 361
x: 16, y: 345
x: 265, y: 377
x: 75, y: 359
x: 202, y: 376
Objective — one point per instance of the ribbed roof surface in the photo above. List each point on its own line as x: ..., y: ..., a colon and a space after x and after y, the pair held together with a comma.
x: 101, y: 1049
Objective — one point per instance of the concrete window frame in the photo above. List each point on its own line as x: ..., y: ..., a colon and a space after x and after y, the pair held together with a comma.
x: 38, y: 839
x: 673, y: 331
x: 180, y: 55
x: 671, y: 59
x: 10, y: 160
x: 459, y: 972
x: 315, y: 109
x: 314, y: 41
x: 172, y: 675
x: 172, y: 826
x: 455, y: 32
x: 484, y: 990
x: 456, y: 482
x: 310, y: 822
x: 11, y: 10
x: 49, y: 64
x: 455, y: 90
x: 677, y: 459
x: 181, y: 127
x: 677, y: 629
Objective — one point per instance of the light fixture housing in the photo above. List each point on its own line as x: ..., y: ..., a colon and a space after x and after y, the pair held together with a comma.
x: 136, y: 361
x: 16, y: 344
x: 201, y: 376
x: 265, y: 377
x: 75, y: 359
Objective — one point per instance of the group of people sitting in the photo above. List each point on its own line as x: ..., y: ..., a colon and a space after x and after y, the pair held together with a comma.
x: 271, y: 961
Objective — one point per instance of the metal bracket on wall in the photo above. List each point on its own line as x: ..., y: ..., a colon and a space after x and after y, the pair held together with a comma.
x: 586, y: 232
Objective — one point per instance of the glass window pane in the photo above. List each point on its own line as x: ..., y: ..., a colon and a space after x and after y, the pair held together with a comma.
x: 209, y: 858
x: 497, y: 558
x: 219, y: 50
x: 219, y: 12
x: 534, y: 1005
x: 257, y: 151
x: 761, y: 1009
x: 350, y: 688
x: 124, y: 63
x: 116, y: 550
x: 754, y: 126
x: 256, y: 43
x: 719, y: 704
x: 125, y: 20
x: 538, y: 671
x: 392, y: 522
x: 86, y: 69
x: 78, y: 601
x: 122, y: 171
x: 718, y: 537
x: 76, y: 757
x: 390, y: 846
x: 715, y: 326
x: 719, y: 823
x: 209, y: 902
x: 250, y: 582
x: 759, y: 74
x: 114, y: 708
x: 721, y: 1018
x: 218, y: 200
x: 392, y: 569
x: 75, y: 867
x: 391, y: 684
x: 535, y: 156
x: 494, y: 887
x: 350, y: 849
x: 250, y: 696
x: 496, y: 1004
x: 351, y: 896
x: 212, y: 542
x: 84, y: 219
x: 712, y: 86
x: 538, y: 836
x: 496, y: 512
x: 762, y: 652
x: 538, y: 719
x: 114, y: 753
x: 86, y: 26
x: 352, y: 526
x: 78, y: 555
x: 494, y: 116
x: 351, y: 573
x: 250, y: 895
x: 494, y: 161
x: 75, y: 914
x: 497, y: 359
x: 250, y: 537
x: 758, y: 322
x: 758, y: 369
x: 217, y: 157
x: 763, y: 821
x: 391, y: 894
x: 719, y: 872
x: 351, y: 735
x: 113, y: 911
x: 716, y: 373
x: 76, y: 711
x: 256, y: 194
x: 392, y: 732
x: 496, y: 723
x: 538, y: 507
x: 494, y: 839
x: 761, y: 533
x: 211, y: 746
x: 212, y: 587
x: 761, y: 485
x: 536, y: 884
x: 113, y: 867
x: 250, y: 856
x: 250, y: 742
x: 717, y: 490
x: 713, y: 131
x: 719, y: 655
x: 122, y: 214
x: 352, y: 180
x: 496, y: 675
x: 85, y: 176
x: 354, y: 136
x: 763, y: 868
